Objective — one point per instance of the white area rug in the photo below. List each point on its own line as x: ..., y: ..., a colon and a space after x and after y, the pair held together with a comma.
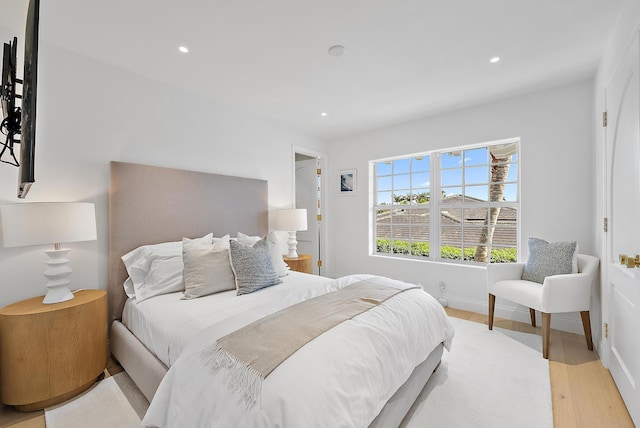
x: 104, y: 405
x: 490, y: 379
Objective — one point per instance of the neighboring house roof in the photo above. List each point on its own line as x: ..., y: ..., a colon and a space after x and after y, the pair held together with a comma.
x: 417, y: 225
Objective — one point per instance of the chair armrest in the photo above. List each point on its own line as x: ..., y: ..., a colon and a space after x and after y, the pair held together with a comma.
x: 502, y: 271
x: 567, y: 293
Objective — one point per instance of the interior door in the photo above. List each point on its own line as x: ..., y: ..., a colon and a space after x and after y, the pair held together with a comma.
x: 307, y: 196
x: 623, y: 237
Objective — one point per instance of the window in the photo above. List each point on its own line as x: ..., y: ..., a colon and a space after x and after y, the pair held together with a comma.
x: 474, y: 192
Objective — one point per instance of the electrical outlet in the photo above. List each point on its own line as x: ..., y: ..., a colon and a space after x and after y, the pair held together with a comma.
x: 443, y: 300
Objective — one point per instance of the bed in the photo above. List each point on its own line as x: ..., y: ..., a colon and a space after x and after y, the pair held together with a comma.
x: 162, y: 348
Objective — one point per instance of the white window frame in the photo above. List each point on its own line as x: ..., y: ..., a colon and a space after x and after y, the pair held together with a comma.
x: 435, y: 205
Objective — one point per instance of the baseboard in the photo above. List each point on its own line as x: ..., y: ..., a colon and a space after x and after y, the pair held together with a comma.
x: 518, y: 313
x: 604, y: 356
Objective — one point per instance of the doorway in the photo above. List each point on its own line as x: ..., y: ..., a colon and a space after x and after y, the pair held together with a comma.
x: 308, y: 193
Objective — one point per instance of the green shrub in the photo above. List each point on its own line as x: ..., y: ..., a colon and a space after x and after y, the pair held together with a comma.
x: 504, y: 255
x: 498, y: 255
x: 402, y: 247
x: 454, y: 253
x: 420, y: 249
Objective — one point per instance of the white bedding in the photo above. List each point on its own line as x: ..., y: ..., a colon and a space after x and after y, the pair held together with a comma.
x: 165, y: 324
x: 342, y: 378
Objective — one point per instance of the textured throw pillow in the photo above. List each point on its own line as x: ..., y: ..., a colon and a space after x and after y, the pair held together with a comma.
x: 207, y: 269
x: 282, y: 269
x: 548, y: 258
x: 252, y: 266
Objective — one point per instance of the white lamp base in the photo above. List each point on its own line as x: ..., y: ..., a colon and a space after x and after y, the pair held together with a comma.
x: 292, y: 245
x: 58, y: 274
x: 57, y: 295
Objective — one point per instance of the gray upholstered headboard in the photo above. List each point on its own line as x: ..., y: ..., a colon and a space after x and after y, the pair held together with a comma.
x: 149, y: 205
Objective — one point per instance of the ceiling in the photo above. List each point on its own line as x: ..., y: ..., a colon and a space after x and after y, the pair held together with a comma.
x: 404, y: 59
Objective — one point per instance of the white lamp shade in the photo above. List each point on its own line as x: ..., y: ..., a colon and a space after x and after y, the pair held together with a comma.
x: 47, y: 223
x: 291, y: 220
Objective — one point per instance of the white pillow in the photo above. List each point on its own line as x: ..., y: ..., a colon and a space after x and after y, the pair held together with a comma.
x: 278, y: 262
x: 222, y: 242
x: 129, y: 290
x: 157, y: 269
x: 246, y: 239
x: 281, y: 267
x: 207, y: 268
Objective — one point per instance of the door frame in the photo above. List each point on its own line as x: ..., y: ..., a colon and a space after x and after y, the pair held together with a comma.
x: 605, y: 288
x: 322, y: 235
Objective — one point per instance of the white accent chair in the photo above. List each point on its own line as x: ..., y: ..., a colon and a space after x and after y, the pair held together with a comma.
x: 558, y: 293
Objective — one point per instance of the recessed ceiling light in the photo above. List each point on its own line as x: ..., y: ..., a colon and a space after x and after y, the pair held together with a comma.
x: 494, y: 59
x: 336, y: 50
x: 323, y: 114
x: 183, y: 49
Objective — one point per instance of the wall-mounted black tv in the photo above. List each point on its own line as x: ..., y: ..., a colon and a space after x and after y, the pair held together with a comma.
x: 21, y: 120
x: 11, y: 116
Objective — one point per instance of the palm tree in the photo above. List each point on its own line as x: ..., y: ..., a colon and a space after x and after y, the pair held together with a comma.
x: 410, y: 199
x: 499, y: 173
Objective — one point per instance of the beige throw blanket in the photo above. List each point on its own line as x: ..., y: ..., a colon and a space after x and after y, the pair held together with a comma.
x: 254, y: 351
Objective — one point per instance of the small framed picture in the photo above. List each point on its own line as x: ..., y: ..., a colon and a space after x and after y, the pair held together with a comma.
x: 348, y: 181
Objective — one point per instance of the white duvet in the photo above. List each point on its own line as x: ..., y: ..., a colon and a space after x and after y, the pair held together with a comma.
x: 342, y: 378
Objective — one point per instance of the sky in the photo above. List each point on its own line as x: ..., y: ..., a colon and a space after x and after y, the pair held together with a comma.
x: 412, y: 175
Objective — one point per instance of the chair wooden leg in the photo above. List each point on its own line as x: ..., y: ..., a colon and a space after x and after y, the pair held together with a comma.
x: 532, y: 312
x: 546, y: 330
x: 586, y: 325
x: 492, y: 304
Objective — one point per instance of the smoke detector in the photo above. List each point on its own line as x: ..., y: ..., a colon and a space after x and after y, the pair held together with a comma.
x: 336, y: 50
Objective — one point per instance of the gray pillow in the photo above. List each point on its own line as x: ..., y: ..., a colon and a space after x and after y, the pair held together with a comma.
x: 548, y: 258
x: 252, y: 266
x: 207, y: 269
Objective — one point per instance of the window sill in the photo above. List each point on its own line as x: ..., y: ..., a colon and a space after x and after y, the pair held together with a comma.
x: 418, y: 259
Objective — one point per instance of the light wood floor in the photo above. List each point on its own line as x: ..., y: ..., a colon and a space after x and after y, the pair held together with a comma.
x: 582, y: 390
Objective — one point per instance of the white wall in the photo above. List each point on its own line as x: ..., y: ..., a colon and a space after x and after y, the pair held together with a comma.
x: 555, y: 127
x: 90, y: 113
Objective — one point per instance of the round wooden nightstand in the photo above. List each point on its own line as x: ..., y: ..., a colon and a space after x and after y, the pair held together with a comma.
x: 302, y: 263
x: 52, y: 352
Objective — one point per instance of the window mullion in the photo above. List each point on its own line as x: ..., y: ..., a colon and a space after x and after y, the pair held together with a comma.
x: 434, y: 208
x: 373, y: 246
x: 409, y: 208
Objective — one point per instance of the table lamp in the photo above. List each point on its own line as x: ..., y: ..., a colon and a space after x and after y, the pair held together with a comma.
x: 50, y: 223
x: 291, y: 221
